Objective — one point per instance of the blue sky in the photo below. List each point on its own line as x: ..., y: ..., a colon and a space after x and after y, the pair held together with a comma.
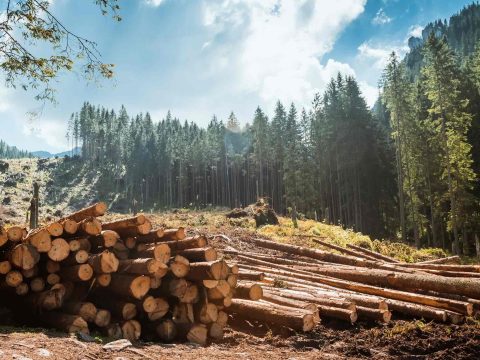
x: 203, y: 57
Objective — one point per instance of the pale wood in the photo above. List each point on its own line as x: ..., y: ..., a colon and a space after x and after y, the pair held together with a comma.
x: 13, y: 278
x: 131, y: 330
x: 197, y: 241
x: 249, y: 290
x: 141, y: 266
x: 173, y: 234
x: 90, y: 226
x: 59, y: 250
x: 207, y: 313
x: 161, y: 309
x: 106, y: 239
x: 206, y: 270
x: 70, y: 226
x: 87, y: 310
x: 104, y: 263
x: 15, y: 233
x: 374, y: 254
x: 199, y: 254
x: 65, y: 322
x: 179, y: 266
x: 39, y: 238
x: 124, y: 223
x: 161, y: 252
x: 3, y: 236
x: 5, y: 267
x: 24, y: 256
x: 103, y: 280
x: 55, y: 229
x: 102, y: 318
x: 152, y: 237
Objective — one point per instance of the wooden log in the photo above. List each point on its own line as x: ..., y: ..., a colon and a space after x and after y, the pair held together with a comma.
x: 94, y: 210
x: 156, y: 282
x: 174, y: 234
x: 195, y: 333
x: 297, y: 319
x: 325, y: 299
x: 453, y: 273
x: 13, y: 278
x: 174, y: 287
x: 280, y: 300
x: 249, y: 291
x: 112, y: 331
x: 106, y: 239
x: 3, y: 236
x: 130, y: 285
x: 90, y: 226
x: 70, y: 226
x: 131, y: 330
x: 152, y: 237
x: 344, y: 250
x: 326, y: 256
x: 37, y: 284
x: 160, y: 310
x: 389, y: 279
x: 22, y: 289
x: 374, y: 254
x: 81, y: 272
x: 55, y: 229
x: 5, y: 267
x: 417, y: 311
x: 103, y: 280
x: 103, y: 318
x: 15, y: 233
x: 444, y: 267
x: 104, y: 263
x: 234, y: 269
x: 77, y: 257
x: 206, y: 270
x: 53, y: 279
x: 223, y: 289
x: 215, y: 331
x: 191, y: 294
x: 161, y: 252
x: 222, y: 318
x: 130, y: 242
x: 207, y: 313
x: 59, y: 250
x: 65, y: 322
x: 30, y: 273
x: 140, y: 266
x: 40, y: 239
x: 86, y: 310
x: 197, y: 241
x: 119, y: 308
x: 446, y: 260
x: 166, y: 330
x: 121, y: 251
x: 179, y: 266
x: 232, y: 280
x: 24, y: 256
x: 124, y: 223
x: 251, y: 275
x: 199, y: 254
x: 382, y: 316
x: 136, y: 230
x: 183, y: 314
x: 84, y: 244
x: 46, y: 300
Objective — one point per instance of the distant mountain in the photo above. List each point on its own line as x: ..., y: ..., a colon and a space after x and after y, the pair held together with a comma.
x: 46, y: 154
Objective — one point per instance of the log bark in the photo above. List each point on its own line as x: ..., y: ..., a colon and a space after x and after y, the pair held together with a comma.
x: 124, y: 223
x: 130, y: 285
x: 198, y: 241
x: 374, y: 254
x: 95, y: 210
x: 140, y: 266
x: 446, y: 260
x: 249, y: 291
x: 135, y: 230
x: 104, y: 263
x: 81, y: 272
x: 106, y: 239
x: 86, y: 310
x: 207, y: 270
x: 199, y: 254
x: 382, y: 316
x: 280, y: 300
x: 174, y: 234
x: 417, y: 311
x: 152, y: 237
x: 297, y: 319
x: 344, y: 250
x: 251, y: 275
x: 444, y: 267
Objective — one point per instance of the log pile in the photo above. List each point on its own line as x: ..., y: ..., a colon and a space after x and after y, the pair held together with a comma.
x: 127, y: 280
x: 121, y: 278
x: 361, y: 284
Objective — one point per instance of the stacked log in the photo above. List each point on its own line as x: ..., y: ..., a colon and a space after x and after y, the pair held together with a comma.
x: 120, y: 277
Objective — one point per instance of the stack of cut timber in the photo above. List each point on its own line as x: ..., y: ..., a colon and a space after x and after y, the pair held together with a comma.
x: 121, y: 278
x: 361, y: 284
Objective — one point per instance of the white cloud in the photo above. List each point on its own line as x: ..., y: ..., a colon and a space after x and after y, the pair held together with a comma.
x: 379, y: 55
x: 52, y: 132
x: 280, y: 44
x: 369, y: 92
x: 415, y: 31
x: 381, y: 18
x: 154, y: 3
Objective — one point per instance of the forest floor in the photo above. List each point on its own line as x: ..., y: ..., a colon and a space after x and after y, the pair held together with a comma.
x: 400, y: 339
